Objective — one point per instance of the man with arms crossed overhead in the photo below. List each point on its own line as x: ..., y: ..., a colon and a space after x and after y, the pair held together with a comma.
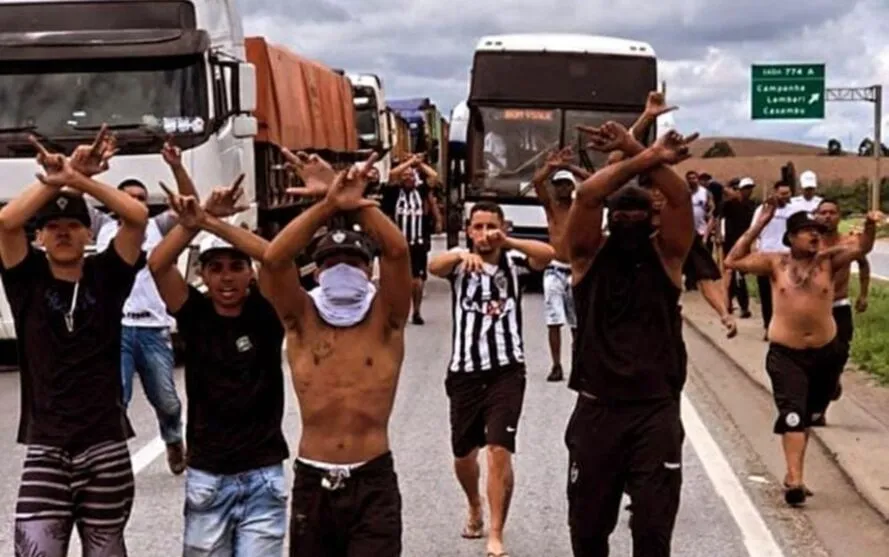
x: 345, y: 345
x: 235, y: 490
x: 486, y: 376
x: 804, y: 348
x: 67, y: 311
x: 828, y: 212
x: 630, y: 362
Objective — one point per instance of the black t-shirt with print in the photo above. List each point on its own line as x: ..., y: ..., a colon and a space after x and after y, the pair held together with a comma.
x: 235, y: 385
x: 71, y: 395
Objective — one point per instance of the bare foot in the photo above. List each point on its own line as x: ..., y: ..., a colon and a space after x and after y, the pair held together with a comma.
x: 475, y: 524
x: 730, y: 326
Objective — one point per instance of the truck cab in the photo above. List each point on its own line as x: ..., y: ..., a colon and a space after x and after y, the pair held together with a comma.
x: 372, y: 119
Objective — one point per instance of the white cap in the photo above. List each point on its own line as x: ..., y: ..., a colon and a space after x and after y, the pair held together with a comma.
x: 211, y: 243
x: 808, y: 180
x: 566, y: 175
x: 746, y: 183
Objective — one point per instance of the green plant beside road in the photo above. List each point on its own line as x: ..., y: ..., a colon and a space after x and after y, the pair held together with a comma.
x: 870, y: 345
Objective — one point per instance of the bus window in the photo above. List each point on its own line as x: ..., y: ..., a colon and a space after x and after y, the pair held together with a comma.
x: 578, y: 141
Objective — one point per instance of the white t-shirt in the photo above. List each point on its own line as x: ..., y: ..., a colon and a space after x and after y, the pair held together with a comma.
x: 144, y: 307
x: 771, y: 240
x: 800, y: 203
x: 699, y: 201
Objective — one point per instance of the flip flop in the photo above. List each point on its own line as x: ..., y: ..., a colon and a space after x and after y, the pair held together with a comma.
x: 473, y: 531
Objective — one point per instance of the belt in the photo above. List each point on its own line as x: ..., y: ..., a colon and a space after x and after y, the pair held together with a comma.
x: 333, y: 477
x: 842, y: 303
x: 560, y: 267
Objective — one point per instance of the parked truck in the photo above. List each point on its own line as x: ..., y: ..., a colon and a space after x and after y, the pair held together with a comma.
x: 372, y: 119
x: 428, y: 130
x: 149, y: 68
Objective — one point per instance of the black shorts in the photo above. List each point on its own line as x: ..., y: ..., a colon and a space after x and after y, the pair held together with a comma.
x: 803, y: 382
x: 485, y: 408
x: 419, y: 261
x: 699, y: 262
x: 337, y: 515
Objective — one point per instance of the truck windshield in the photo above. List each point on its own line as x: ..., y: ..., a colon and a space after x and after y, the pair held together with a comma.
x: 56, y: 97
x: 367, y: 123
x: 510, y: 145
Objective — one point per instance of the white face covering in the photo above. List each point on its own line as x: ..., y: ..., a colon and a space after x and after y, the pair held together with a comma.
x: 344, y: 295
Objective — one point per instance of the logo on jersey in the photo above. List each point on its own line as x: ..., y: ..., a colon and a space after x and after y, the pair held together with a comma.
x: 243, y: 344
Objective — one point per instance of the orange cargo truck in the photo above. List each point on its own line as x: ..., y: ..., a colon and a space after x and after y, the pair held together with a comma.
x: 304, y: 106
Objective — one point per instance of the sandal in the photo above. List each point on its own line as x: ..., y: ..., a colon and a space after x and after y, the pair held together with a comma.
x: 473, y: 530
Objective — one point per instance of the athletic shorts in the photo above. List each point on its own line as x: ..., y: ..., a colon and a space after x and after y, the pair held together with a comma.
x: 803, y: 382
x: 699, y: 262
x: 485, y: 408
x: 339, y: 511
x: 92, y: 488
x: 419, y: 261
x: 558, y: 297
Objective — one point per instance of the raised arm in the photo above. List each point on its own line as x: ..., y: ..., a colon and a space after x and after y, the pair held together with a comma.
x: 395, y: 265
x: 539, y: 253
x: 173, y: 157
x: 844, y: 254
x: 13, y: 217
x: 740, y: 258
x: 162, y: 262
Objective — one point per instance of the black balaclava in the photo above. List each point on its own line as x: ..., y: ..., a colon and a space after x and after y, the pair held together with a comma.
x: 630, y: 234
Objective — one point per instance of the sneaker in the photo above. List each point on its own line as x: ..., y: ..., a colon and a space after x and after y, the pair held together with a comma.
x: 556, y: 374
x: 745, y: 314
x: 176, y: 458
x: 417, y: 320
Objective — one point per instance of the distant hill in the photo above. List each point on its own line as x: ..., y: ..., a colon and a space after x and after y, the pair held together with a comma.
x: 753, y: 147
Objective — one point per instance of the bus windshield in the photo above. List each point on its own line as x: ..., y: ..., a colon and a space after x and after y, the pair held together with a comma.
x: 509, y: 145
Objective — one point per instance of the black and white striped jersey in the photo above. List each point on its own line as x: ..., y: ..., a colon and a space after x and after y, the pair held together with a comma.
x: 487, y: 315
x: 410, y: 215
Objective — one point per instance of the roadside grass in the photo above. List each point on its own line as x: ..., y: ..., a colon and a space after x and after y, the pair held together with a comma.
x: 870, y: 345
x: 857, y: 222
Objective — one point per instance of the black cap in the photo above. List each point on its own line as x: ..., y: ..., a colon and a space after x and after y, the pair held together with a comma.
x: 630, y: 198
x: 343, y: 241
x: 800, y: 221
x: 65, y: 205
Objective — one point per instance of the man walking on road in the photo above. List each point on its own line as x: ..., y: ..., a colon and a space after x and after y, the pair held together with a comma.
x: 345, y: 345
x: 235, y: 492
x: 738, y: 212
x: 771, y: 240
x: 625, y: 433
x: 486, y: 375
x: 804, y: 347
x: 67, y: 309
x: 828, y: 213
x: 146, y: 345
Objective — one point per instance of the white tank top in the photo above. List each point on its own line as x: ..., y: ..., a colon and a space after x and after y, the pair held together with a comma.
x: 144, y: 307
x: 699, y: 207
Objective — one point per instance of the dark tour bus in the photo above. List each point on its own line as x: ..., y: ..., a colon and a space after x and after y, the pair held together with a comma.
x: 527, y: 95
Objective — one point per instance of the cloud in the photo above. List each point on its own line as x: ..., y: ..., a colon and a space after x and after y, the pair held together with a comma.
x: 423, y: 48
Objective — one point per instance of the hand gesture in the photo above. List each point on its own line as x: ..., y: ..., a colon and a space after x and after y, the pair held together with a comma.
x: 171, y: 153
x: 861, y: 304
x: 610, y: 137
x: 672, y: 147
x: 471, y: 263
x: 59, y: 171
x: 315, y: 172
x: 656, y: 105
x: 93, y: 159
x: 347, y: 191
x: 51, y: 162
x: 224, y: 202
x: 187, y: 208
x: 769, y: 206
x: 875, y: 217
x: 496, y: 238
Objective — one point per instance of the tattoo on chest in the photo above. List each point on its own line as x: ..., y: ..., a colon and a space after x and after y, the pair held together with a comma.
x: 800, y: 275
x: 322, y: 350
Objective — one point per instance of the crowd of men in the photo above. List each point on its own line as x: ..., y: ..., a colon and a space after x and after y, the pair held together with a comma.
x: 86, y: 325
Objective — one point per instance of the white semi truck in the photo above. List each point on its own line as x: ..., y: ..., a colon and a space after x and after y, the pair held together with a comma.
x: 373, y: 119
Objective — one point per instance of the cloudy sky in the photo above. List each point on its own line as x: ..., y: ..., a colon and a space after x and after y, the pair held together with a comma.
x: 424, y: 47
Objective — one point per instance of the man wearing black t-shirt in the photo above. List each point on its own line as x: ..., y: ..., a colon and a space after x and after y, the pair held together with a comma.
x: 625, y: 433
x: 408, y: 200
x: 738, y: 212
x: 67, y: 311
x: 235, y: 492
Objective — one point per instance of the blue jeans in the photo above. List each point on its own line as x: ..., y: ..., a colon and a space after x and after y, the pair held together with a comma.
x: 149, y: 351
x: 241, y: 515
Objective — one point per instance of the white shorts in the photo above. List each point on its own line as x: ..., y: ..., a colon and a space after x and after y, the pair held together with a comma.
x: 558, y: 297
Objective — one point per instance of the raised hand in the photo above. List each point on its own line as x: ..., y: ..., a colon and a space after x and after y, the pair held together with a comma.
x: 612, y: 136
x: 51, y: 162
x: 496, y: 239
x: 315, y: 172
x: 191, y: 214
x: 656, y: 105
x: 876, y: 217
x: 93, y: 159
x: 471, y: 263
x: 225, y: 202
x: 347, y: 191
x: 672, y: 147
x: 769, y: 206
x: 171, y: 153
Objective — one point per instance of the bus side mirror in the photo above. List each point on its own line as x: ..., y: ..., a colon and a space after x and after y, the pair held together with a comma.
x: 246, y: 87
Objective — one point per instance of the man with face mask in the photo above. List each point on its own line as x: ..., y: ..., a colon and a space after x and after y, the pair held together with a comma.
x: 625, y: 433
x: 486, y: 375
x: 345, y: 345
x: 828, y: 214
x: 66, y: 309
x: 804, y: 350
x: 235, y: 494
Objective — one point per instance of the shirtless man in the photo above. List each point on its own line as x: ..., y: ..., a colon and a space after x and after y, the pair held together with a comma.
x: 345, y: 346
x: 804, y: 347
x: 828, y: 212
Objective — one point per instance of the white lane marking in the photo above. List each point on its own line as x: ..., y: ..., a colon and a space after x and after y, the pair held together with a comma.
x: 758, y: 538
x: 148, y: 453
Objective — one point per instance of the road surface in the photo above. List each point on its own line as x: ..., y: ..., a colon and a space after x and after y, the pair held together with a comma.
x: 731, y: 504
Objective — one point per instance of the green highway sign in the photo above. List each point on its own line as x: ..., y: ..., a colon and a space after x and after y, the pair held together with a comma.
x: 787, y: 91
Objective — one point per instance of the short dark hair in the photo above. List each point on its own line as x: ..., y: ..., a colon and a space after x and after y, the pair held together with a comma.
x: 782, y: 184
x: 131, y: 182
x: 487, y: 207
x: 690, y: 172
x: 705, y: 176
x: 830, y: 200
